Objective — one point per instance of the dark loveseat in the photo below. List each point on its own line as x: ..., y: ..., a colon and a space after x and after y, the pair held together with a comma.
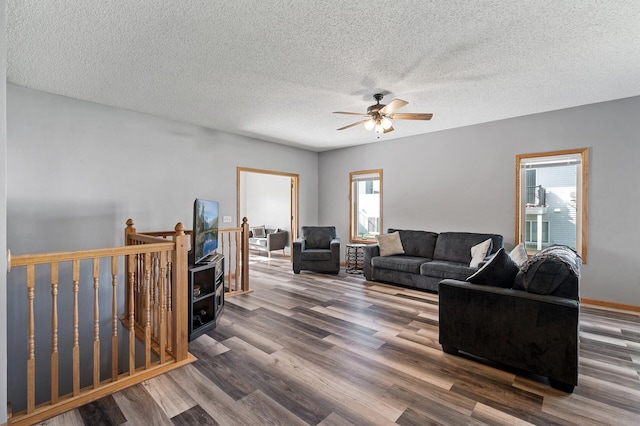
x: 532, y: 326
x: 428, y: 258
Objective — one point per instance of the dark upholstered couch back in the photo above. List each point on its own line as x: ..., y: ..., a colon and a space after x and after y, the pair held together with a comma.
x: 318, y: 237
x: 456, y: 246
x: 417, y: 243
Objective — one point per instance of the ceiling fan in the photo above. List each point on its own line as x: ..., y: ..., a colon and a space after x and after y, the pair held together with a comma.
x: 379, y: 115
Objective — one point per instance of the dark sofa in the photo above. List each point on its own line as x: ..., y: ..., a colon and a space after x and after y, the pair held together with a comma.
x: 428, y: 259
x: 532, y: 326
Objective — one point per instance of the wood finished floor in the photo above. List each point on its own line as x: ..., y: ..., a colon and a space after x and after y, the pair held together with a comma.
x: 337, y: 350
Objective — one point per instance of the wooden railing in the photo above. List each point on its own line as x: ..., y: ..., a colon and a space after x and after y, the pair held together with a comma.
x: 155, y: 310
x: 233, y: 244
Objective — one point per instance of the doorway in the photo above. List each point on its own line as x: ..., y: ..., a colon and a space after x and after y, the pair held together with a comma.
x: 269, y: 198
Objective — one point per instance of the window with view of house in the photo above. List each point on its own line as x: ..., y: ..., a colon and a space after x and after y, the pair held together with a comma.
x: 551, y: 199
x: 365, y: 195
x: 531, y: 233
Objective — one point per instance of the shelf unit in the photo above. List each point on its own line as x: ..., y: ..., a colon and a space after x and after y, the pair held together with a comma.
x: 207, y: 301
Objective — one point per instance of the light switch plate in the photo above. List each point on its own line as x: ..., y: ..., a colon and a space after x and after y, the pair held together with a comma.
x: 226, y: 219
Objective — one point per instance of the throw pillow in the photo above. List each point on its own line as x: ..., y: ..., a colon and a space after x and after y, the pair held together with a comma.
x: 500, y: 271
x: 519, y: 254
x: 390, y: 244
x: 259, y: 232
x: 479, y: 252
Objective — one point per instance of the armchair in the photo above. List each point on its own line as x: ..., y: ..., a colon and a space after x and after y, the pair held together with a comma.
x: 318, y: 249
x: 274, y: 240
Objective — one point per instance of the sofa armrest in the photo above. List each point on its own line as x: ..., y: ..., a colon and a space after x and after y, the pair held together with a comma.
x: 335, y: 249
x: 537, y: 333
x: 296, y: 253
x: 370, y: 251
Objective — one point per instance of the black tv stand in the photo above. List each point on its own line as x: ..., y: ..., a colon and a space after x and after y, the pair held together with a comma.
x: 206, y: 295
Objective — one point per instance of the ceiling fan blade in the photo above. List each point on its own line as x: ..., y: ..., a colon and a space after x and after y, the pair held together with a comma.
x: 390, y: 129
x: 352, y: 124
x: 351, y: 113
x: 410, y: 116
x: 392, y: 106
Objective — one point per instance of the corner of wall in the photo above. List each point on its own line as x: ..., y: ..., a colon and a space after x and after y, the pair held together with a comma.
x: 3, y: 216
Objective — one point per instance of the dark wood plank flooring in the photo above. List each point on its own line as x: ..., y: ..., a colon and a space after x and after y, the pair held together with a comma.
x: 315, y: 349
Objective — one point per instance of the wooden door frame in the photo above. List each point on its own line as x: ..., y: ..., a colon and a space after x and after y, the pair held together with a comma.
x: 294, y: 197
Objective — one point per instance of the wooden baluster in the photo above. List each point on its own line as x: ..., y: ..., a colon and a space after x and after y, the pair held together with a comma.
x: 244, y: 250
x: 96, y: 323
x: 163, y: 306
x: 151, y: 290
x: 132, y: 330
x: 76, y: 334
x: 237, y: 257
x: 130, y: 229
x: 157, y: 302
x: 139, y: 288
x: 54, y: 333
x: 31, y: 349
x: 147, y: 310
x: 157, y: 280
x: 169, y: 304
x: 227, y: 259
x: 114, y: 318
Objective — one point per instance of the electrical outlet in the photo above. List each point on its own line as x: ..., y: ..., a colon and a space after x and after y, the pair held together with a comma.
x: 226, y: 219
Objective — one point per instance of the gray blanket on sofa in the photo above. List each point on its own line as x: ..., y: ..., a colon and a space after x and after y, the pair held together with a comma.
x: 564, y: 254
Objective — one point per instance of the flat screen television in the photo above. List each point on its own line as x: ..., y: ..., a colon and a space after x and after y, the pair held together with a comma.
x: 205, y: 230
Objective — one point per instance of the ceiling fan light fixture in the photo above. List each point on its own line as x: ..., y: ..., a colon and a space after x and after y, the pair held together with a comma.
x: 379, y: 116
x: 369, y: 124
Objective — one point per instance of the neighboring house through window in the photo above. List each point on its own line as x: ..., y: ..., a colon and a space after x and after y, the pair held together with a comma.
x: 551, y: 200
x: 365, y: 195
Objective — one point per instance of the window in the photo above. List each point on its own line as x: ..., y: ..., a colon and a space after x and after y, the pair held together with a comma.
x: 365, y: 198
x: 551, y: 200
x: 531, y: 232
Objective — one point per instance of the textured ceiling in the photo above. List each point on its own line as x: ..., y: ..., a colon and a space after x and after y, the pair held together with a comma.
x: 276, y: 69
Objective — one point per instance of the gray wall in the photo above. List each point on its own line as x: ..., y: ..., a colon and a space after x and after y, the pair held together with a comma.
x: 78, y: 170
x: 266, y: 200
x: 3, y: 217
x: 464, y: 180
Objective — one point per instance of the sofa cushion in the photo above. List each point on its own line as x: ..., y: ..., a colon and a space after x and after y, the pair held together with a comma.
x: 399, y: 263
x: 479, y: 252
x: 443, y: 269
x: 519, y: 254
x: 500, y: 271
x: 315, y: 254
x: 258, y: 242
x: 456, y: 246
x: 390, y: 244
x: 417, y: 243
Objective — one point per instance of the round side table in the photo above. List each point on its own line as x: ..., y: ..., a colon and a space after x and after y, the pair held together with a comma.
x: 354, y: 258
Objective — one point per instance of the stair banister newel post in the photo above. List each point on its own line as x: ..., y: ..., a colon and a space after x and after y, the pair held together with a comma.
x: 179, y: 293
